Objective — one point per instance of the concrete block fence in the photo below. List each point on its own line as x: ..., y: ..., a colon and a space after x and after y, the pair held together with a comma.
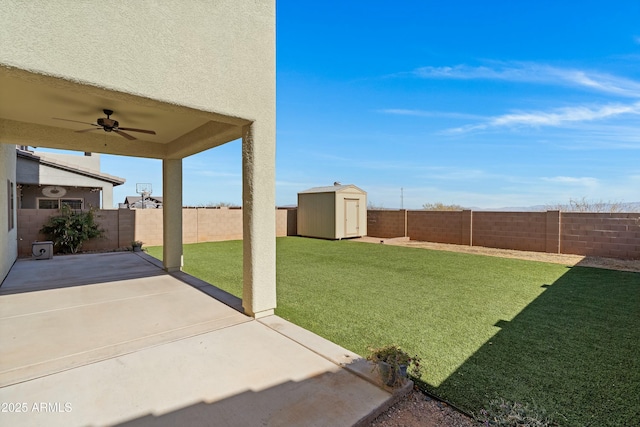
x: 122, y: 226
x: 613, y: 235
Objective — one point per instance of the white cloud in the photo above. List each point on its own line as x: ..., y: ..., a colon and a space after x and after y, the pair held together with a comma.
x: 558, y: 117
x: 423, y: 113
x: 466, y: 72
x: 570, y: 180
x: 536, y: 73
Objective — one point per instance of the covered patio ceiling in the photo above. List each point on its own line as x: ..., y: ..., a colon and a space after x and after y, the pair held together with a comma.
x: 30, y: 102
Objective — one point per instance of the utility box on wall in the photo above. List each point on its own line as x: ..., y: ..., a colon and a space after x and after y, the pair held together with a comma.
x: 42, y: 250
x: 332, y: 212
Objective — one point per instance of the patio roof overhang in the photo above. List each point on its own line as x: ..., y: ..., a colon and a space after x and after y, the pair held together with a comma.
x: 30, y: 101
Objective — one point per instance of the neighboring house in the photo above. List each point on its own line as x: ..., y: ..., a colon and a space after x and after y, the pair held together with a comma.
x: 49, y: 180
x: 135, y: 202
x: 210, y: 81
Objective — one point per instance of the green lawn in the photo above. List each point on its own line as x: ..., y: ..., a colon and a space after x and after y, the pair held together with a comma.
x: 563, y: 338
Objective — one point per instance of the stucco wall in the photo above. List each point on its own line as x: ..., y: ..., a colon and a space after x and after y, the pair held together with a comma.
x: 87, y: 161
x: 8, y: 238
x: 29, y: 194
x: 208, y: 65
x: 150, y: 49
x: 34, y: 175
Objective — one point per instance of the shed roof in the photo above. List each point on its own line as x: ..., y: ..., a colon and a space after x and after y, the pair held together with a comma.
x: 332, y: 189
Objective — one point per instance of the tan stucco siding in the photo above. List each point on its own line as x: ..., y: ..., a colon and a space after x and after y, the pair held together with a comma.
x: 90, y: 162
x: 8, y: 238
x: 200, y: 73
x: 30, y: 172
x: 150, y: 50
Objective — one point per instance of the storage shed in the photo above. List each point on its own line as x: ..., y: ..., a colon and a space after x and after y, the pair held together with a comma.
x: 333, y: 212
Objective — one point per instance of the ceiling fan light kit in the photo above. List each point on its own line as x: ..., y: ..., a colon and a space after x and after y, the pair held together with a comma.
x: 109, y: 125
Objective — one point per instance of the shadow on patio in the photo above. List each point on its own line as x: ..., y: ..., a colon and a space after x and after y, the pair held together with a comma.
x: 106, y: 339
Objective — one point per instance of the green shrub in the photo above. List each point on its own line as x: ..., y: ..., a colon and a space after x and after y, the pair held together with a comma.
x: 503, y: 413
x: 71, y: 229
x: 397, y: 361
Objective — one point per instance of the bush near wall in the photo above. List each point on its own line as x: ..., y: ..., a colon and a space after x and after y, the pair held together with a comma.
x: 122, y: 226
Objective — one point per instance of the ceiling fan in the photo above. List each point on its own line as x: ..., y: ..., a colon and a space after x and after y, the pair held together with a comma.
x: 110, y: 125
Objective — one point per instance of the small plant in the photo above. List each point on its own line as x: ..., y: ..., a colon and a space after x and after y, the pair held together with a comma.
x: 393, y: 363
x: 503, y: 413
x: 136, y: 245
x: 71, y: 229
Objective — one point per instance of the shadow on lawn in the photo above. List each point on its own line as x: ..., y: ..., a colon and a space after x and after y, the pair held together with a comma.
x: 573, y: 351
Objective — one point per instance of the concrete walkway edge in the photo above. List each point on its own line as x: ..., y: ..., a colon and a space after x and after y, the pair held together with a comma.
x: 342, y: 357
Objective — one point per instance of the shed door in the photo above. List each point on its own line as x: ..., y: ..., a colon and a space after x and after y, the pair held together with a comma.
x: 351, y: 217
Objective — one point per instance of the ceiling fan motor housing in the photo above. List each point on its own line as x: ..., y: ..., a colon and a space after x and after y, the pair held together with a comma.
x: 108, y: 124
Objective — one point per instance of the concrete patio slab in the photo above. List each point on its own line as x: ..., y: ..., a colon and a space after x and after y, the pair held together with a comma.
x: 72, y: 270
x: 57, y: 329
x: 247, y: 375
x: 141, y: 347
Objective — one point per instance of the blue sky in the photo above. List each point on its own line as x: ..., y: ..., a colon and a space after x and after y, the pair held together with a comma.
x: 477, y: 103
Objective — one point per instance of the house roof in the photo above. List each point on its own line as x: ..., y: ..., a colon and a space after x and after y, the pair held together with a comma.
x: 332, y: 189
x: 129, y: 200
x: 58, y: 164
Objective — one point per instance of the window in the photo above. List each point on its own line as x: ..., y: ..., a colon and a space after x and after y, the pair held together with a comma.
x: 72, y: 203
x: 10, y: 204
x: 57, y: 203
x: 48, y: 204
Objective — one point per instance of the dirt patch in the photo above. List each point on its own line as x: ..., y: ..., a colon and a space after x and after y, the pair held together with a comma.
x: 569, y: 260
x: 419, y: 410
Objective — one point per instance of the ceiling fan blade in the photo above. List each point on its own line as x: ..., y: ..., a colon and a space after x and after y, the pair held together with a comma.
x: 75, y: 121
x: 150, y: 132
x: 126, y: 135
x: 87, y: 130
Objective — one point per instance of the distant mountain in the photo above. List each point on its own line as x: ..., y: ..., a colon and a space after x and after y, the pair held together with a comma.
x: 629, y: 207
x: 535, y: 208
x: 634, y: 206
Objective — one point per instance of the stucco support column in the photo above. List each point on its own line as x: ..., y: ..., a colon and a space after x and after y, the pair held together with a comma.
x: 172, y: 214
x: 258, y: 219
